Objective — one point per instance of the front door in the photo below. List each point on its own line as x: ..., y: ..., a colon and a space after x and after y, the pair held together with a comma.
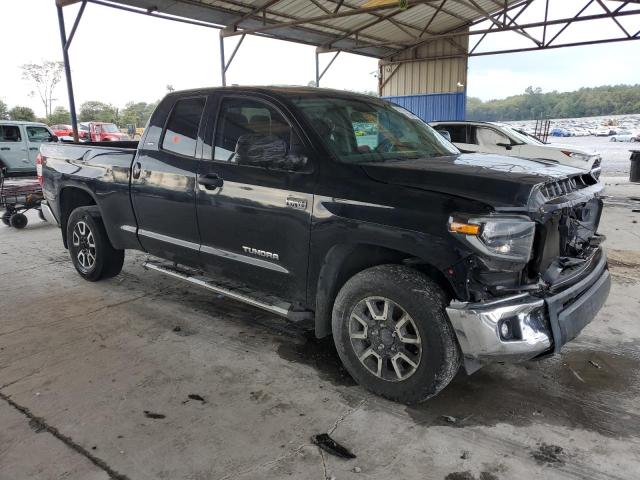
x: 36, y: 135
x: 255, y: 194
x: 163, y: 185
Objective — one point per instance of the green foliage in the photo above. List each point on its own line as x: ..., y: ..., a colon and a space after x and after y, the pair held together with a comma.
x: 60, y: 115
x: 4, y: 111
x: 586, y: 102
x: 94, y: 111
x: 136, y: 113
x: 22, y: 113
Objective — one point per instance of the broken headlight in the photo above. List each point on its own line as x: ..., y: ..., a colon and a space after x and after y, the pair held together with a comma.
x: 503, y: 237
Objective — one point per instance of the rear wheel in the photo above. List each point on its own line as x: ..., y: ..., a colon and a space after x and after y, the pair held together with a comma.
x: 6, y: 218
x: 18, y: 220
x: 91, y: 252
x: 393, y: 335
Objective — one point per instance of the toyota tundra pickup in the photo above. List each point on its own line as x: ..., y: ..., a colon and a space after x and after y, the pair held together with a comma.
x: 350, y: 212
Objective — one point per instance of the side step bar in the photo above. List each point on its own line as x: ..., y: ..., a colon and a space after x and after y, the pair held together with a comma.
x: 236, y: 292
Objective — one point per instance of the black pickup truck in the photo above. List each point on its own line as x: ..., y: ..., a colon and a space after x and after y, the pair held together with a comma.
x: 349, y: 211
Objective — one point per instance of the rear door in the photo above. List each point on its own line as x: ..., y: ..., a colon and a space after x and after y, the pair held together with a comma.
x: 163, y: 185
x: 14, y: 155
x: 254, y: 197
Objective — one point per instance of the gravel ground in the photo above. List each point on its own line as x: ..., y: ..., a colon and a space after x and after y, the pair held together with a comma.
x: 615, y: 155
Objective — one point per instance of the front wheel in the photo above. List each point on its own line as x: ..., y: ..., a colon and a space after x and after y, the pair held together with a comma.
x: 91, y: 251
x: 393, y: 335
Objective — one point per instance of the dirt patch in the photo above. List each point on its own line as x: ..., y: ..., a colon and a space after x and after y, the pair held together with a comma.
x: 567, y: 390
x: 549, y: 455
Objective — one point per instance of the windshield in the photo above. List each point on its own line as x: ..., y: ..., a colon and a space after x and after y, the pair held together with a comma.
x: 360, y: 131
x: 109, y: 128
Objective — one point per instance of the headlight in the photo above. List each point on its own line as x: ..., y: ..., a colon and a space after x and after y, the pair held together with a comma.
x: 504, y: 237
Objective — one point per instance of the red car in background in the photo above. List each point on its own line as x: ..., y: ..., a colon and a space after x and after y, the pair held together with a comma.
x: 92, y: 131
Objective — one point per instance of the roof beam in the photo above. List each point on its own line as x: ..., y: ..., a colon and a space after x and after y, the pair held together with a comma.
x: 319, y: 18
x: 261, y: 9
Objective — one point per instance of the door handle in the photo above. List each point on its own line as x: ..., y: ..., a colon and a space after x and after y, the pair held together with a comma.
x: 137, y: 168
x: 33, y: 148
x: 210, y: 181
x: 5, y: 148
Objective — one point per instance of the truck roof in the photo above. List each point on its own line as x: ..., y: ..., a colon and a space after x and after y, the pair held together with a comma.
x: 276, y: 90
x: 21, y: 122
x: 470, y: 122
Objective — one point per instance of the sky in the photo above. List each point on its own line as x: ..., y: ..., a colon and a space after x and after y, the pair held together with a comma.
x: 117, y: 57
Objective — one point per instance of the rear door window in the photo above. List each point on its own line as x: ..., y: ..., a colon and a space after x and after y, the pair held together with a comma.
x: 458, y: 132
x: 10, y: 133
x: 181, y: 133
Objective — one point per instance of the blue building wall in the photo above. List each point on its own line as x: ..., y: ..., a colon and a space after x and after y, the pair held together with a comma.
x: 434, y: 106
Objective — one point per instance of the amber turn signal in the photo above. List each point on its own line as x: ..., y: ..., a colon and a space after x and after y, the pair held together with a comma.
x: 465, y: 228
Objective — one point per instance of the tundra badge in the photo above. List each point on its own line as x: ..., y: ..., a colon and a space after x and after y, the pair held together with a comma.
x: 261, y: 253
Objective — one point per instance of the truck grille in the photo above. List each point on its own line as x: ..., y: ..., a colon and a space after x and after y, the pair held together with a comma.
x: 559, y: 188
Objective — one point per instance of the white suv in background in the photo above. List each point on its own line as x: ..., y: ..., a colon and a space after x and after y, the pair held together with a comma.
x: 499, y: 138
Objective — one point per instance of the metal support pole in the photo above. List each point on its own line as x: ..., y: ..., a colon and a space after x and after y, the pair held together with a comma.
x: 223, y: 68
x: 317, y: 70
x: 67, y: 71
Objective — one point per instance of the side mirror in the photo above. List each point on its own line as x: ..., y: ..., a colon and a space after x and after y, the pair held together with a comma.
x: 54, y: 138
x: 505, y: 145
x: 445, y: 134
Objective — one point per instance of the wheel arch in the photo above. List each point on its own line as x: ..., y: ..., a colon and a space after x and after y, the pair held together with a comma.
x: 343, y: 261
x: 72, y: 197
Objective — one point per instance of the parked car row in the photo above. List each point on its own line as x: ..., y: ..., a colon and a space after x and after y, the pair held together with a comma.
x: 91, y: 132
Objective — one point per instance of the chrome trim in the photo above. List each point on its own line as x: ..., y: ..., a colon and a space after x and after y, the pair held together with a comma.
x: 128, y: 228
x: 168, y: 239
x: 204, y: 282
x: 477, y: 328
x: 48, y: 214
x: 256, y: 262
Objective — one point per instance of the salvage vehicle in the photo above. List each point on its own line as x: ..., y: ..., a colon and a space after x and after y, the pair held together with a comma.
x: 19, y: 145
x: 624, y: 136
x: 415, y: 257
x: 499, y: 138
x: 101, y: 132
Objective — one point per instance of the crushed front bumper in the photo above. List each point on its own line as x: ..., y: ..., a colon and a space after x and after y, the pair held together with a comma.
x: 523, y: 326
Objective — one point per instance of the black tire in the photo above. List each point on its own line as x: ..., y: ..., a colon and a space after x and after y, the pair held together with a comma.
x: 107, y: 261
x: 18, y: 220
x: 6, y: 216
x: 422, y: 299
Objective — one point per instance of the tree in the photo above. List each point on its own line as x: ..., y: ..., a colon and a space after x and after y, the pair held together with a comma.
x: 137, y: 113
x: 22, y: 113
x: 170, y: 88
x: 4, y: 110
x: 60, y: 115
x: 46, y: 77
x: 94, y: 111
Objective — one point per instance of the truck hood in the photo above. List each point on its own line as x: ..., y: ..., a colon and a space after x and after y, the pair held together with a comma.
x: 496, y: 180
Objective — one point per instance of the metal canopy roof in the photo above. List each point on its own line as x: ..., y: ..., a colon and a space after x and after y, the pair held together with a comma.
x: 377, y: 28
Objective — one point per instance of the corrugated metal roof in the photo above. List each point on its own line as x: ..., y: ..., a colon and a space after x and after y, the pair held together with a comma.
x: 350, y: 25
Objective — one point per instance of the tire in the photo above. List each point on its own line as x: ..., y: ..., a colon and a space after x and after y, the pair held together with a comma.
x: 18, y: 220
x: 91, y: 252
x: 6, y: 218
x: 431, y: 344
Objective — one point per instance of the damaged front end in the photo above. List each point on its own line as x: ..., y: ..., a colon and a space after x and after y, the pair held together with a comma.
x: 536, y: 276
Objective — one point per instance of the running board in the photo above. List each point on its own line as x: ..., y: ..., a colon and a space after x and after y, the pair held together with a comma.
x: 236, y: 292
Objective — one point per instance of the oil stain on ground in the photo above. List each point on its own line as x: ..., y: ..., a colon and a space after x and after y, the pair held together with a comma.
x: 578, y: 389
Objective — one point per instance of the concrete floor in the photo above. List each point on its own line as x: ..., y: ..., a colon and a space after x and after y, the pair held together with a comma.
x: 81, y: 363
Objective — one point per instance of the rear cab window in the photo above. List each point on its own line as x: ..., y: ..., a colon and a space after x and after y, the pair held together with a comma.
x: 10, y: 133
x: 181, y: 132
